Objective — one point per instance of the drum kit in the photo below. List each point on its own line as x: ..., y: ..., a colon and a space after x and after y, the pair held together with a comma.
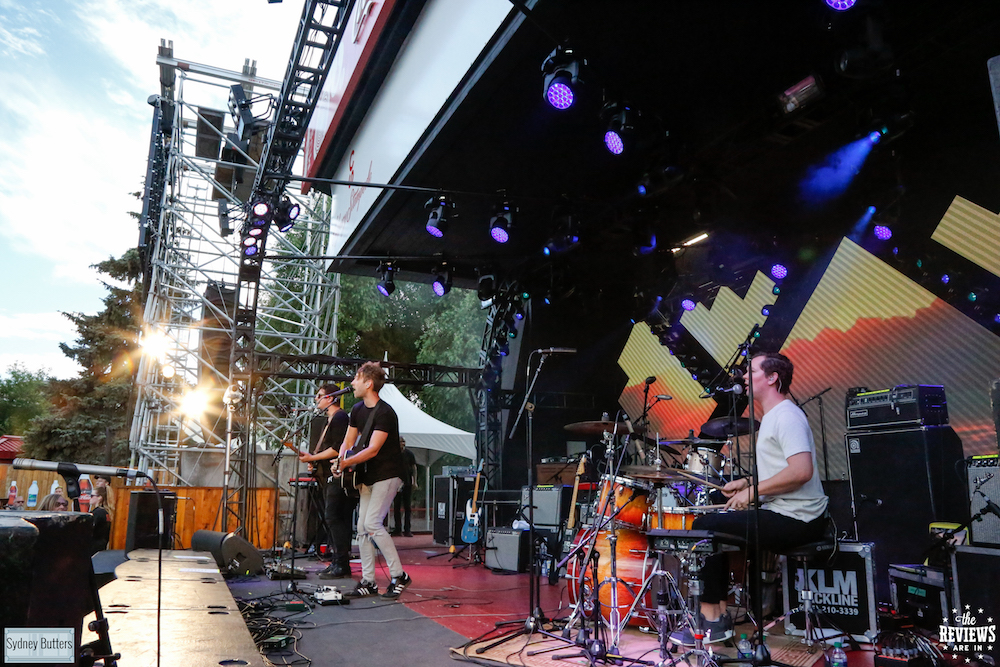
x: 621, y: 571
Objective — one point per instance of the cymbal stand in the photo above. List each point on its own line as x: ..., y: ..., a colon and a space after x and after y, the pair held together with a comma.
x: 692, y: 562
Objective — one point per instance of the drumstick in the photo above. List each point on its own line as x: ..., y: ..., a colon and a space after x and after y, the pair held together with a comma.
x: 695, y: 478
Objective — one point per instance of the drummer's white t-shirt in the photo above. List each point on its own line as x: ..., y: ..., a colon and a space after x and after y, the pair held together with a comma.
x: 784, y: 431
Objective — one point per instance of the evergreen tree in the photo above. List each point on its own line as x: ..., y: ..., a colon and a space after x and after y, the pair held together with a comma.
x: 97, y: 404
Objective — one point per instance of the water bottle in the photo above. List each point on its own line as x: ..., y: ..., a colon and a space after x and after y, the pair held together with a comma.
x: 836, y: 656
x: 33, y: 493
x: 744, y: 649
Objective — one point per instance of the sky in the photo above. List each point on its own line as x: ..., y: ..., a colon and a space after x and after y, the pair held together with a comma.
x: 74, y: 136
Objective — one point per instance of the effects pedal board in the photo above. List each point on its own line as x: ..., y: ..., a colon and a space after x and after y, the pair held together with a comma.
x: 327, y: 595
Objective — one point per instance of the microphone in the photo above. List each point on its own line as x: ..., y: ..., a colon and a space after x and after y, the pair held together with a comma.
x: 557, y: 350
x: 664, y: 397
x: 75, y: 470
x: 737, y: 374
x: 735, y: 390
x: 651, y: 379
x: 340, y: 392
x: 991, y: 506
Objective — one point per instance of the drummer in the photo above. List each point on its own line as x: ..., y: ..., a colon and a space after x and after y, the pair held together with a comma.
x: 793, y: 505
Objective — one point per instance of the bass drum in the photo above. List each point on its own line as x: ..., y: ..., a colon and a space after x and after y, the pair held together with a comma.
x: 632, y: 567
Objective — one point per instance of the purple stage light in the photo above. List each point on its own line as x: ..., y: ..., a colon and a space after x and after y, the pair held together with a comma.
x: 560, y: 95
x: 779, y: 271
x: 688, y: 304
x: 438, y: 288
x: 765, y: 311
x: 499, y: 234
x: 841, y: 5
x: 945, y: 279
x: 883, y: 233
x: 996, y: 319
x: 251, y: 251
x: 382, y: 289
x: 614, y: 142
x: 874, y: 137
x: 434, y: 231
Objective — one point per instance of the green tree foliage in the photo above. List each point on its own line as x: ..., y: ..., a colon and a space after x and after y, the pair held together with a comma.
x: 97, y: 403
x: 22, y: 398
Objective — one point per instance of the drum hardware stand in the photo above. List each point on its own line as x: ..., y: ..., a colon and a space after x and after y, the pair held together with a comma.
x: 822, y: 427
x: 692, y: 563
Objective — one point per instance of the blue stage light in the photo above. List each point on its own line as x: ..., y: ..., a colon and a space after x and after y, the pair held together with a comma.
x: 830, y: 179
x: 614, y: 142
x: 883, y: 233
x: 779, y: 271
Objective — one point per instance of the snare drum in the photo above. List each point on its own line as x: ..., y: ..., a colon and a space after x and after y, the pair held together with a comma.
x: 630, y: 498
x: 705, y: 461
x: 678, y: 518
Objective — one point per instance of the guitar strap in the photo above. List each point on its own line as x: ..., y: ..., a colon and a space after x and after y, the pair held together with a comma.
x: 367, y: 433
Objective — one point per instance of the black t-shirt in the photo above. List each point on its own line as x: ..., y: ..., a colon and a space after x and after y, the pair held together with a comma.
x: 333, y: 437
x: 388, y: 463
x: 409, y: 463
x: 102, y: 530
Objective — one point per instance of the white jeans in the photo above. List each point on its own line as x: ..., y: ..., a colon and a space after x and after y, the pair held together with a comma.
x: 372, y: 510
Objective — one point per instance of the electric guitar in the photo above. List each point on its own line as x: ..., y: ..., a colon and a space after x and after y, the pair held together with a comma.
x: 568, y: 535
x: 470, y: 529
x: 318, y: 470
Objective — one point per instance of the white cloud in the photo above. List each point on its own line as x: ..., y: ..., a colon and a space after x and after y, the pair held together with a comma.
x: 55, y: 364
x: 20, y: 40
x: 36, y: 326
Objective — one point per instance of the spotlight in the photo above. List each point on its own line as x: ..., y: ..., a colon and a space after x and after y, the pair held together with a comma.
x: 688, y: 304
x: 386, y: 285
x: 804, y: 92
x: 437, y: 220
x: 504, y: 349
x: 286, y: 214
x: 779, y: 271
x: 251, y: 251
x: 566, y: 236
x: 945, y: 279
x: 168, y: 371
x: 249, y: 241
x: 442, y: 282
x: 841, y: 5
x: 765, y: 311
x: 562, y: 77
x: 883, y: 233
x: 620, y: 119
x: 260, y: 208
x: 487, y: 287
x: 775, y: 290
x: 972, y: 296
x: 518, y: 312
x: 502, y: 222
x: 547, y: 299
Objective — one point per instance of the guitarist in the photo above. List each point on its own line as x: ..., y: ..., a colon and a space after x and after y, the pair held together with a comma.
x: 374, y: 434
x: 339, y: 504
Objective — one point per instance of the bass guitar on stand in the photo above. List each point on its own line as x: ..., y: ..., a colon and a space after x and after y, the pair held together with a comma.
x: 568, y: 531
x: 471, y: 527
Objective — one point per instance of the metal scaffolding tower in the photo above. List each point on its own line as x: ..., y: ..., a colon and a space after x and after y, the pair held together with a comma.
x: 198, y: 180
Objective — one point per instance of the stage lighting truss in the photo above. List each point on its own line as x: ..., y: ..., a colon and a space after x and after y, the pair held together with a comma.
x: 562, y: 77
x: 620, y: 119
x: 259, y: 216
x: 502, y: 222
x: 386, y: 284
x: 566, y: 237
x: 240, y: 108
x: 441, y: 208
x: 285, y: 214
x: 442, y: 281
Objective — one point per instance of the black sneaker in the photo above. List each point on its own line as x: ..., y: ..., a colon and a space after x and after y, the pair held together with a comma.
x: 396, y: 586
x: 718, y: 630
x: 335, y: 571
x: 682, y: 636
x: 363, y: 589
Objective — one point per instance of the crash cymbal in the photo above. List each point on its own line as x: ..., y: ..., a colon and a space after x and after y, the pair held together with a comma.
x: 665, y: 448
x: 692, y: 442
x: 723, y: 427
x: 653, y: 474
x: 599, y: 427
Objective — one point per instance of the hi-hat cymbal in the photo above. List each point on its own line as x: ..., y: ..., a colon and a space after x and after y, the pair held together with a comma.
x: 599, y: 427
x: 652, y: 473
x: 725, y: 427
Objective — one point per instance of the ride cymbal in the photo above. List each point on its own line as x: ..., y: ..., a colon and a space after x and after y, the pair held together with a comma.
x: 726, y: 427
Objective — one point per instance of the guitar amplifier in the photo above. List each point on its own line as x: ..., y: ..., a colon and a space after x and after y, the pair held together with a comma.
x: 984, y: 472
x: 903, y: 405
x: 507, y: 549
x: 551, y: 504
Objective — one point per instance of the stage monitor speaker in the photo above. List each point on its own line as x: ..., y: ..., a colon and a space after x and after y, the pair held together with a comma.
x: 902, y: 480
x: 976, y: 596
x: 143, y: 522
x: 551, y: 504
x: 450, y: 496
x: 985, y: 474
x: 507, y: 549
x: 232, y: 553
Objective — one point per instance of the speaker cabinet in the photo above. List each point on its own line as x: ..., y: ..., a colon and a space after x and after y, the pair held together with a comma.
x: 450, y: 496
x: 976, y: 596
x: 232, y: 553
x: 984, y: 475
x: 507, y: 549
x: 551, y: 504
x: 901, y: 481
x: 143, y: 522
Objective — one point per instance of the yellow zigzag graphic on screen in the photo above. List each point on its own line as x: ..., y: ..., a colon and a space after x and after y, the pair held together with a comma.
x: 723, y: 327
x: 972, y: 232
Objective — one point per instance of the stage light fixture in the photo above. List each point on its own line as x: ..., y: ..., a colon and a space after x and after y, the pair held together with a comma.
x: 260, y: 208
x: 688, y: 304
x: 487, y: 287
x: 256, y: 231
x: 841, y: 5
x: 518, y: 312
x: 502, y: 222
x: 883, y: 232
x: 385, y: 285
x: 620, y: 119
x: 442, y: 282
x: 285, y: 214
x: 802, y: 93
x: 775, y: 290
x: 972, y: 296
x: 547, y: 299
x: 561, y: 72
x: 766, y: 311
x: 251, y: 251
x: 504, y: 349
x: 437, y: 219
x: 168, y: 371
x: 250, y: 241
x: 779, y: 271
x: 565, y: 238
x: 945, y: 279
